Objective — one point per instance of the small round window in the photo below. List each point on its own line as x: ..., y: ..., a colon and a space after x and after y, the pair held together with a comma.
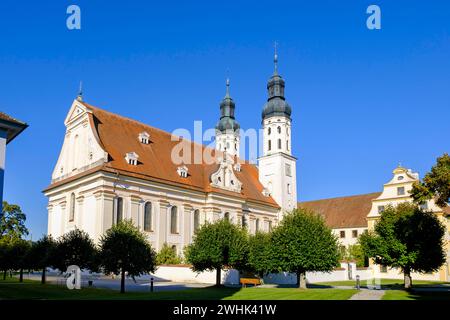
x: 400, y: 178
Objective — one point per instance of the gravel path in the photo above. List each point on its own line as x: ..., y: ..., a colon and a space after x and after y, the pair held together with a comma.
x: 368, y: 294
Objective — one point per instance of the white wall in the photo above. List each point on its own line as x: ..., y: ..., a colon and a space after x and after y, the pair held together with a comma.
x: 185, y: 274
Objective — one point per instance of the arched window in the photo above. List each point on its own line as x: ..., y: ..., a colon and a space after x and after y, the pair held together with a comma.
x: 196, y: 219
x: 269, y: 131
x: 257, y: 225
x: 72, y: 207
x: 287, y: 145
x: 226, y: 216
x: 174, y: 219
x: 269, y: 147
x: 244, y: 221
x: 118, y: 209
x: 148, y: 217
x: 279, y: 143
x: 279, y: 129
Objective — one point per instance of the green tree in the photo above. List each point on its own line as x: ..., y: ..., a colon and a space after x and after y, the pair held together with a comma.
x: 5, y: 256
x: 218, y: 245
x: 301, y: 243
x: 167, y: 255
x: 259, y: 254
x: 12, y: 222
x: 74, y: 248
x: 407, y: 238
x: 125, y: 249
x: 40, y: 255
x: 19, y: 251
x: 435, y: 184
x: 356, y: 253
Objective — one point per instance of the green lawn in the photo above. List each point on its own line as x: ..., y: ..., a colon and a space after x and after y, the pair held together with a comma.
x: 415, y: 295
x: 11, y: 289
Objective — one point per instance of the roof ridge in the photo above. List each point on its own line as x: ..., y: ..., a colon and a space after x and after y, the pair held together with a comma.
x: 162, y: 131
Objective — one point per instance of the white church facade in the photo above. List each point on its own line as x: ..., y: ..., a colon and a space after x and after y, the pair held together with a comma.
x: 112, y: 168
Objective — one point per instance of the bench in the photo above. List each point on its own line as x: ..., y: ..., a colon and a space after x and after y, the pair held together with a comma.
x: 253, y: 281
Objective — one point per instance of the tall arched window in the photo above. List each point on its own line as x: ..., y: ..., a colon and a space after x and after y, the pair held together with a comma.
x: 269, y: 146
x: 196, y: 219
x: 148, y: 217
x: 279, y: 143
x: 269, y: 131
x: 257, y: 225
x: 174, y: 219
x: 72, y: 207
x: 244, y: 221
x: 118, y: 209
x: 279, y: 129
x: 226, y: 216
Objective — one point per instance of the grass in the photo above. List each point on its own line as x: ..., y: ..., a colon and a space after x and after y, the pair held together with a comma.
x: 29, y: 289
x: 388, y: 283
x: 415, y: 295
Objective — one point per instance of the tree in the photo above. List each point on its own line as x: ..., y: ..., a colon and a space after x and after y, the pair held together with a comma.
x: 124, y: 249
x: 74, y: 248
x: 435, y: 184
x: 167, y: 255
x: 12, y: 222
x: 19, y: 251
x: 302, y: 242
x: 40, y: 255
x: 218, y: 245
x: 259, y: 254
x: 356, y: 253
x: 407, y: 238
x: 5, y: 257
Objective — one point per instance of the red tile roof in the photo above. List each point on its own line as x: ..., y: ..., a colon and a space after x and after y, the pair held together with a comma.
x: 343, y: 212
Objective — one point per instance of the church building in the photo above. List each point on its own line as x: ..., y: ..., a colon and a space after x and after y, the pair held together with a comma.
x: 112, y: 168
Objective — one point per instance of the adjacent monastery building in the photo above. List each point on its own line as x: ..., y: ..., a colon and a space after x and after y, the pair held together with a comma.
x: 112, y: 168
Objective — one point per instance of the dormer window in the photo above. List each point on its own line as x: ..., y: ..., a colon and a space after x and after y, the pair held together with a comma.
x: 266, y: 192
x: 144, y: 137
x: 132, y: 158
x: 183, y: 171
x: 237, y: 167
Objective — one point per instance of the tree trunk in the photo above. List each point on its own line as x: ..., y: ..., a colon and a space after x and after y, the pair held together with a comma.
x: 218, y: 277
x: 408, y: 279
x: 43, y: 276
x: 122, y: 282
x: 21, y: 275
x: 4, y: 274
x: 301, y: 279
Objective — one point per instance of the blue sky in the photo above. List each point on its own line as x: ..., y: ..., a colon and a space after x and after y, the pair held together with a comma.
x: 362, y: 100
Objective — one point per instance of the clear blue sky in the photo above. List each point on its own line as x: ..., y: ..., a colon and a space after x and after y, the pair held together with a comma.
x: 362, y: 100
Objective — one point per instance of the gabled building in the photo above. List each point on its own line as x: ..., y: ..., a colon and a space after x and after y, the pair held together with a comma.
x: 112, y: 168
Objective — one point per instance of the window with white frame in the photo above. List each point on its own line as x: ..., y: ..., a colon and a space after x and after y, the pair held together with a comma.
x: 401, y: 191
x: 182, y: 171
x: 288, y: 170
x: 132, y: 158
x: 196, y: 220
x: 72, y: 207
x: 148, y: 217
x: 144, y: 137
x: 174, y: 219
x: 117, y: 209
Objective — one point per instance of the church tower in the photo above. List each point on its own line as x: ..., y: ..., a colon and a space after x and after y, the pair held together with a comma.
x: 227, y: 129
x: 277, y: 166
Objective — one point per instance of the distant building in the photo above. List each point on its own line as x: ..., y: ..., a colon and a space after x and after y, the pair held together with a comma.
x: 9, y: 129
x: 350, y: 216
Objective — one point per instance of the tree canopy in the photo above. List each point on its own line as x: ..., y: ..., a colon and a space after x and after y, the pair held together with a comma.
x: 74, y: 248
x: 125, y: 249
x: 259, y: 254
x: 40, y: 254
x: 218, y: 245
x: 167, y: 255
x: 408, y: 238
x: 12, y: 222
x: 435, y: 184
x: 302, y: 242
